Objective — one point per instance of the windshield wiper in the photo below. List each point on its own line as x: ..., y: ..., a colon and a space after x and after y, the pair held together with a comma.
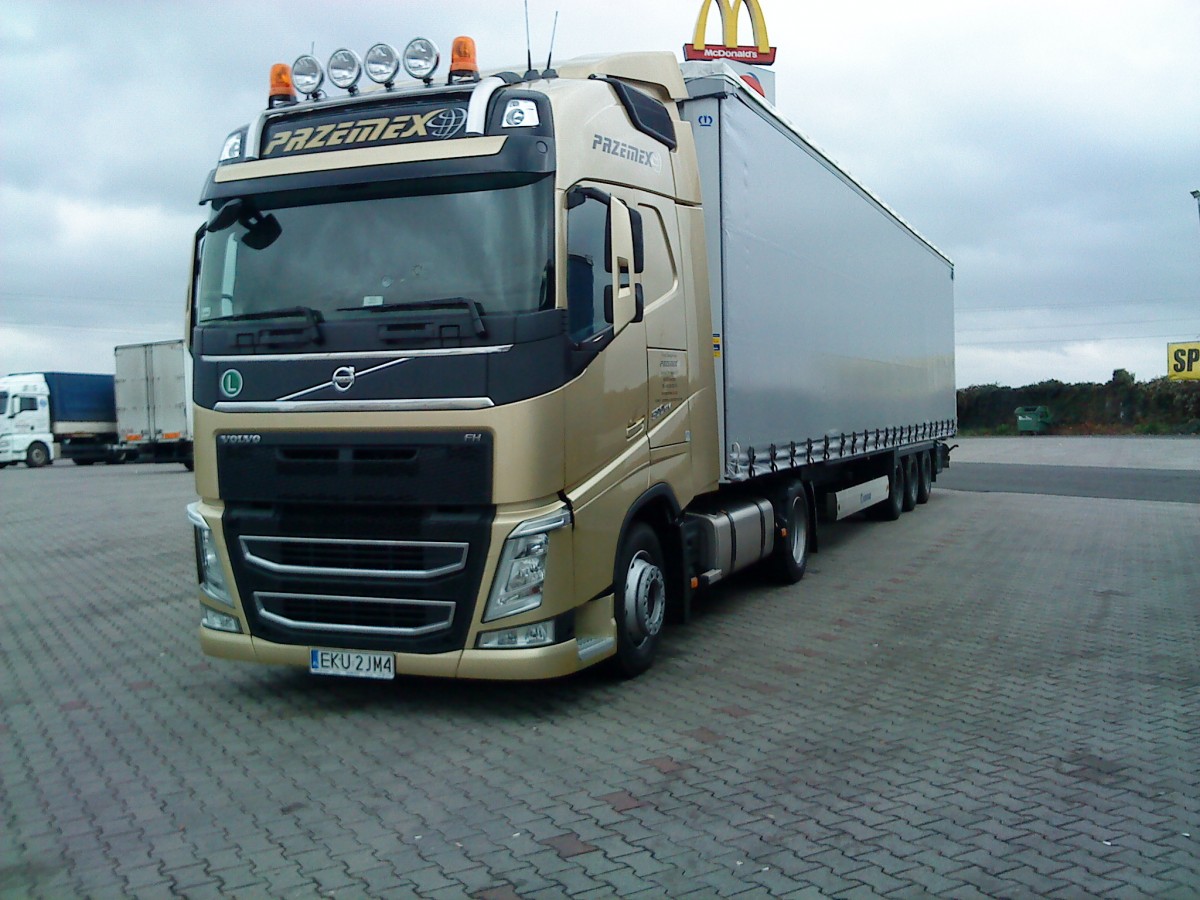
x: 310, y: 332
x: 313, y: 316
x: 471, y: 307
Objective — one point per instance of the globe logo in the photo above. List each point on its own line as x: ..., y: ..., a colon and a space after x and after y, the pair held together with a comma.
x: 447, y: 123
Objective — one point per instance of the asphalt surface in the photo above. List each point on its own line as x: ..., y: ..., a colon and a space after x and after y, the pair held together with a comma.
x: 998, y: 695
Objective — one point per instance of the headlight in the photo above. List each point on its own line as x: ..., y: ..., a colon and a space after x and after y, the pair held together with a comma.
x: 307, y: 75
x: 521, y: 574
x: 208, y: 561
x: 381, y: 63
x: 344, y: 69
x: 421, y: 58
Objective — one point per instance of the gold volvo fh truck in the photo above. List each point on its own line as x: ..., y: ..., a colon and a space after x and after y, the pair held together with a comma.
x: 494, y: 376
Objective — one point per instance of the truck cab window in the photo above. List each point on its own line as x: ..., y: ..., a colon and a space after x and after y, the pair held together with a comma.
x: 28, y: 404
x: 587, y: 227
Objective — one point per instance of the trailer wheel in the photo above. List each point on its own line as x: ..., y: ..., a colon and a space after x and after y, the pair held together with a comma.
x: 640, y: 601
x: 925, y: 482
x: 911, y: 488
x: 889, y: 510
x: 37, y: 455
x: 790, y: 558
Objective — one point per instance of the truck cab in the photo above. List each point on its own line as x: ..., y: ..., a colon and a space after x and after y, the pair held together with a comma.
x: 445, y: 361
x: 25, y: 434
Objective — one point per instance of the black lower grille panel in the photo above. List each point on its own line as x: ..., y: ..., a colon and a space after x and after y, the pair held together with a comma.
x: 338, y: 597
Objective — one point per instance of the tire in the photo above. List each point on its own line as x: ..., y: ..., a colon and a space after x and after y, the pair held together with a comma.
x: 640, y: 600
x: 189, y: 465
x: 909, y: 500
x: 83, y: 462
x: 889, y: 510
x: 37, y: 455
x: 925, y: 480
x: 790, y: 557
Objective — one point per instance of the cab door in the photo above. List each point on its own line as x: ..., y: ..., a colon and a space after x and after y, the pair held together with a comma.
x: 606, y: 404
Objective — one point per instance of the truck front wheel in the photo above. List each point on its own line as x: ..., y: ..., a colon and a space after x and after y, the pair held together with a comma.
x: 37, y: 455
x: 640, y: 601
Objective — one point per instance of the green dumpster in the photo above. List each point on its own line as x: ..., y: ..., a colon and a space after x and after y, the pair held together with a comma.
x: 1033, y: 419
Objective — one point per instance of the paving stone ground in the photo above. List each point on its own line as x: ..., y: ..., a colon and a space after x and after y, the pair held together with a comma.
x: 998, y: 695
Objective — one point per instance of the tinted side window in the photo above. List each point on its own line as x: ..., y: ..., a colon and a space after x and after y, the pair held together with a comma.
x: 587, y: 226
x: 28, y: 404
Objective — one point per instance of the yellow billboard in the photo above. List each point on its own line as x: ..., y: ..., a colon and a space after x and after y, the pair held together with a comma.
x: 1183, y: 361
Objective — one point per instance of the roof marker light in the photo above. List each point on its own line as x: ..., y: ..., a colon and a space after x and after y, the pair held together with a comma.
x: 421, y: 58
x: 282, y: 92
x: 464, y: 65
x: 345, y: 68
x: 382, y: 62
x: 308, y: 76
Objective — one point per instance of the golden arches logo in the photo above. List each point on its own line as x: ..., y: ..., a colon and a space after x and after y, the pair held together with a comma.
x: 761, y: 52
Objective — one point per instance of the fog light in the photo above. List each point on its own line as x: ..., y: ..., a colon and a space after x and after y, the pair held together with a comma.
x: 219, y: 621
x: 539, y: 634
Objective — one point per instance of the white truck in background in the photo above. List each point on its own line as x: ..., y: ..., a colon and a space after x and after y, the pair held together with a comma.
x: 154, y: 401
x: 46, y: 416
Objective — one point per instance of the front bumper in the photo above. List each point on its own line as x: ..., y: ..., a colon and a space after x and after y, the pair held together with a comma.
x: 535, y: 664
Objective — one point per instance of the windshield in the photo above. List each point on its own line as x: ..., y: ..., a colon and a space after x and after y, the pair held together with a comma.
x: 350, y: 251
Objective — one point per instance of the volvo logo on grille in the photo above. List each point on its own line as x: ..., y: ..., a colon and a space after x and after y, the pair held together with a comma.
x: 343, y: 378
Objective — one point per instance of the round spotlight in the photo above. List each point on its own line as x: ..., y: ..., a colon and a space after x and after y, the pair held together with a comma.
x: 382, y: 62
x: 307, y: 75
x: 344, y: 69
x: 421, y: 58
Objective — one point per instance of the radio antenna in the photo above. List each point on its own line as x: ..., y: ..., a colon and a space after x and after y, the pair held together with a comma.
x: 530, y: 74
x: 550, y: 73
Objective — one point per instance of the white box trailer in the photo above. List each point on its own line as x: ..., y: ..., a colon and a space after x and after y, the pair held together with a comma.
x: 154, y: 408
x: 833, y: 319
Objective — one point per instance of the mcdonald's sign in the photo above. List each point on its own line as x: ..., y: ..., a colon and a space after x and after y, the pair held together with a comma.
x: 760, y: 52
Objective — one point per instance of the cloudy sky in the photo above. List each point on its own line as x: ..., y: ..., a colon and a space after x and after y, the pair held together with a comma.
x: 1050, y: 148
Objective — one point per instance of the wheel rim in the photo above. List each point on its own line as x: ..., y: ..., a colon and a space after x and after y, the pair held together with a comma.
x: 798, y: 531
x: 645, y: 599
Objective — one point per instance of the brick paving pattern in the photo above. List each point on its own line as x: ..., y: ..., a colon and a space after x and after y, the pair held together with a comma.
x: 998, y: 695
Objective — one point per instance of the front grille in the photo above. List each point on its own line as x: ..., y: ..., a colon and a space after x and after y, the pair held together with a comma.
x: 355, y: 615
x: 354, y: 558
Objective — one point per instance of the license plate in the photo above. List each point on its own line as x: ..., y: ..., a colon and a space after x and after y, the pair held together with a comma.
x: 352, y: 664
